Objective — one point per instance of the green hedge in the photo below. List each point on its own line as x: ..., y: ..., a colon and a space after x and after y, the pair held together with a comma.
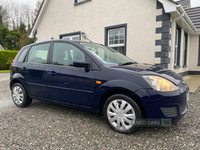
x: 6, y: 58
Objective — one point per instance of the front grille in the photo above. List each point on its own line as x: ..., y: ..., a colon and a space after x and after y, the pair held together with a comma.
x: 183, y: 108
x: 169, y: 111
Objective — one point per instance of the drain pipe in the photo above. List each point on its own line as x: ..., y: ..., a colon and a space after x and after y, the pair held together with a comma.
x: 173, y: 40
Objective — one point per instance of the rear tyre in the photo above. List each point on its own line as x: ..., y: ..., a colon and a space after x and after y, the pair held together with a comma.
x: 19, y: 96
x: 121, y: 113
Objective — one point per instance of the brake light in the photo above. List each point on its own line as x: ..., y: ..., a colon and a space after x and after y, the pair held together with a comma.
x: 12, y: 61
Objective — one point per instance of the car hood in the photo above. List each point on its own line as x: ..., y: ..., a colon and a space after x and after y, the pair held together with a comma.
x: 148, y: 69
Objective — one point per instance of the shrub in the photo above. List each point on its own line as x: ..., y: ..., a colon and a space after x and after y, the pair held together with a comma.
x: 6, y: 58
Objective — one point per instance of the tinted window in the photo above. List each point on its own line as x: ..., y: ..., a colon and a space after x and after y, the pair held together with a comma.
x: 23, y: 55
x: 64, y: 54
x: 38, y: 54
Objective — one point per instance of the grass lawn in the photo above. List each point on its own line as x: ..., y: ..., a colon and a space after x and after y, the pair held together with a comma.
x: 4, y: 71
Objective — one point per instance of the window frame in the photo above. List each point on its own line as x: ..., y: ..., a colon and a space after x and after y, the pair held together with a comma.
x: 177, y: 64
x: 82, y: 1
x: 65, y: 42
x: 48, y: 53
x: 115, y: 45
x: 70, y: 34
x: 116, y: 27
x: 185, y: 50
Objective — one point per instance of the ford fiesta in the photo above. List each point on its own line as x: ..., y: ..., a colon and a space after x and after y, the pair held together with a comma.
x: 97, y: 78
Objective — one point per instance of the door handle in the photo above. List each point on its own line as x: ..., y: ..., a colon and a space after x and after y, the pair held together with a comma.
x: 24, y: 69
x: 53, y: 73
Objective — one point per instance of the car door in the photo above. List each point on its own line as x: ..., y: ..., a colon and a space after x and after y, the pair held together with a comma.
x: 34, y: 70
x: 67, y: 83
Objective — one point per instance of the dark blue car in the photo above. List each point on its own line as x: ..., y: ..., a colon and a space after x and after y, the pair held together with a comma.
x: 97, y: 78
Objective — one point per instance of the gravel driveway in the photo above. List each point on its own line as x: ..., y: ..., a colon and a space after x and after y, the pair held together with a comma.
x: 46, y: 126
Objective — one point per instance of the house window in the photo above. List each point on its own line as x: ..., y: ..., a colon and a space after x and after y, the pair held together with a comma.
x: 185, y: 49
x: 177, y: 47
x: 71, y: 36
x: 115, y: 37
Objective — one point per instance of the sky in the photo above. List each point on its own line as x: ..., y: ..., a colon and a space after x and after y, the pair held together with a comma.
x: 195, y: 3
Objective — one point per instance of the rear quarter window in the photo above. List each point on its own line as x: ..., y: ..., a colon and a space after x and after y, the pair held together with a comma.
x: 23, y: 55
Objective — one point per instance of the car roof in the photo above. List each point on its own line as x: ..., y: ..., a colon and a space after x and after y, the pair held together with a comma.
x: 60, y: 40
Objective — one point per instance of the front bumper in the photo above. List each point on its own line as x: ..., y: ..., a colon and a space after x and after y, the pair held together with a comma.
x: 164, y: 105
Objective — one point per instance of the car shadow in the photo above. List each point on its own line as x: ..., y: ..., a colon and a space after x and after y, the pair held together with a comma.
x: 94, y: 118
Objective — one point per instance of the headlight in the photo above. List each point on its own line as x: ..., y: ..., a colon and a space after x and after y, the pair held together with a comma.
x: 160, y: 84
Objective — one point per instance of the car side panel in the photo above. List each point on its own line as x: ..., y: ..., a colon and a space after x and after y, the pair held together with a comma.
x: 112, y: 85
x: 35, y: 76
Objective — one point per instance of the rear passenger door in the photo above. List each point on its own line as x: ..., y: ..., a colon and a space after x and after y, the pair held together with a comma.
x: 34, y: 70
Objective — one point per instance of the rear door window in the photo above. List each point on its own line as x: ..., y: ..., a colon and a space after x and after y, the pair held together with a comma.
x: 38, y: 54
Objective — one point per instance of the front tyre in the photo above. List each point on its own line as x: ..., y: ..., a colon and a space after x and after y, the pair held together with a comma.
x: 121, y: 113
x: 19, y: 96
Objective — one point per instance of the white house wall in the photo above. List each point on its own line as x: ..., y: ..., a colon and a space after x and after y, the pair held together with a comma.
x: 93, y: 16
x: 194, y: 53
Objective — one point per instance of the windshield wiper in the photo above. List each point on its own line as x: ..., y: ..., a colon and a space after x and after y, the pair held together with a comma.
x: 127, y: 63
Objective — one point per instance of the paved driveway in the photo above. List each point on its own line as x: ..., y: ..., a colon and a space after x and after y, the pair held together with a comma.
x: 46, y: 126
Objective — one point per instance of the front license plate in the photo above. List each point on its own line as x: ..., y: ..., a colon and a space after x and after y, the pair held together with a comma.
x: 188, y: 96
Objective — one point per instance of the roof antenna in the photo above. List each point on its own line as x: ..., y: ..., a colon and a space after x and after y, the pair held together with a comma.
x: 84, y: 36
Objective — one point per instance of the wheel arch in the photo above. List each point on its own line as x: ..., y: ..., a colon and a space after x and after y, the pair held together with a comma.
x: 18, y: 78
x: 126, y: 92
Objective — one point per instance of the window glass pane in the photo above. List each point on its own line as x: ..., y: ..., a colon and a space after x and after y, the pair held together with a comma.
x: 107, y: 55
x: 64, y: 54
x: 23, y: 54
x: 72, y: 37
x: 116, y: 36
x: 75, y: 38
x: 176, y: 40
x: 185, y: 49
x: 66, y: 38
x: 38, y: 54
x: 80, y: 1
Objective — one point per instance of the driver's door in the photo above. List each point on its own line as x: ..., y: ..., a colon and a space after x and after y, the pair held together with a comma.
x: 67, y: 83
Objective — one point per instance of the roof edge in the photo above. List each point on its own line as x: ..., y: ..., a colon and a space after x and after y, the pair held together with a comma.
x: 169, y: 5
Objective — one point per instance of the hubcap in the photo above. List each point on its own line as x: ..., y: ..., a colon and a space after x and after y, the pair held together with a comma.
x: 121, y: 114
x: 18, y: 95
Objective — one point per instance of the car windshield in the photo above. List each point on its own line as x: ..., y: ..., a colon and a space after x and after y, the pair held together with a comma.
x: 107, y: 55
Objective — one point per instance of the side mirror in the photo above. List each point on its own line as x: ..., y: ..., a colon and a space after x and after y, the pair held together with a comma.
x: 81, y: 64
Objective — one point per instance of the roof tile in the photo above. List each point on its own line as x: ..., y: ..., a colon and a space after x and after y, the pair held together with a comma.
x: 184, y: 2
x: 194, y: 15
